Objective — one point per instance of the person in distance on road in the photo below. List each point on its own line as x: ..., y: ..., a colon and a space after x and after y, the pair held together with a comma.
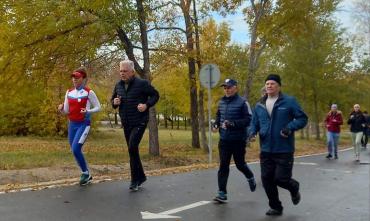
x: 333, y: 121
x: 357, y: 122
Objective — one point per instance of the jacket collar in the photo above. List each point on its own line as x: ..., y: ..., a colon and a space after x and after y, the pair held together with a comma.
x: 264, y: 98
x: 129, y: 82
x: 230, y: 98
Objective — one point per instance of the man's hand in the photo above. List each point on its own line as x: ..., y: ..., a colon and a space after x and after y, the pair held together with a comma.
x: 285, y: 132
x: 117, y: 100
x: 214, y: 126
x: 227, y: 124
x: 83, y: 111
x: 214, y: 129
x: 60, y: 107
x: 142, y: 107
x: 252, y: 138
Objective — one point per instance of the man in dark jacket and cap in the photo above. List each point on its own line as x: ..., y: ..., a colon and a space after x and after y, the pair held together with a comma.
x: 275, y: 118
x: 232, y: 119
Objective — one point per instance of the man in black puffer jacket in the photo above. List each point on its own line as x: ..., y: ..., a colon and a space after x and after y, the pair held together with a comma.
x: 232, y: 119
x: 134, y: 97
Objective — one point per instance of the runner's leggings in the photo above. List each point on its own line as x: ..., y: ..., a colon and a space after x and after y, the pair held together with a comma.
x: 77, y: 134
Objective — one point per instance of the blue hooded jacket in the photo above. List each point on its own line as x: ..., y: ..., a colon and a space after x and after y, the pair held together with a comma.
x: 287, y: 114
x: 235, y: 110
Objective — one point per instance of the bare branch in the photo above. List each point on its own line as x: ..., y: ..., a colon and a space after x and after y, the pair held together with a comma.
x: 129, y: 49
x: 262, y: 9
x: 253, y: 6
x: 164, y: 5
x: 104, y: 55
x: 259, y: 52
x: 60, y: 33
x: 167, y: 28
x: 160, y: 49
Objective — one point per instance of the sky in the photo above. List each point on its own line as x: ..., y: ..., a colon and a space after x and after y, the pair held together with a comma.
x: 240, y: 32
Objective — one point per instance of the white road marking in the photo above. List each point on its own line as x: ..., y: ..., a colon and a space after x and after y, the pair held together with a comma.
x: 149, y: 215
x: 341, y: 171
x: 167, y: 214
x: 303, y: 156
x: 306, y: 163
x: 317, y: 154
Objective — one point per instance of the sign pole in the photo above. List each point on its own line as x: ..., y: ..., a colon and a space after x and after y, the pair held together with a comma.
x: 209, y: 116
x: 209, y: 75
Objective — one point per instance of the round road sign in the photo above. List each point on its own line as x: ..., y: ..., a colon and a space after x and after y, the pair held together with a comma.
x: 209, y: 75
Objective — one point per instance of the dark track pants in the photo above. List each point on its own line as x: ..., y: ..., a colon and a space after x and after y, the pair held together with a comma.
x: 276, y: 170
x: 133, y: 137
x: 227, y: 149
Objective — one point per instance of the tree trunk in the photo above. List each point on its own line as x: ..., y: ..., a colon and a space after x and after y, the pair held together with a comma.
x: 110, y: 120
x: 185, y: 122
x: 316, y: 115
x: 308, y: 127
x: 202, y: 122
x: 185, y: 7
x: 58, y: 124
x: 255, y: 50
x: 115, y: 118
x: 165, y: 119
x: 172, y: 118
x: 303, y: 90
x: 153, y: 128
x: 251, y: 64
x: 153, y: 133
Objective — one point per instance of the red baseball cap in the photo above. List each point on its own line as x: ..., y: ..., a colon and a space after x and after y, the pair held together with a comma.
x: 77, y: 74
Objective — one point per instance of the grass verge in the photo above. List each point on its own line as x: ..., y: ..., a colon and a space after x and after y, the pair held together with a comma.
x: 35, y: 159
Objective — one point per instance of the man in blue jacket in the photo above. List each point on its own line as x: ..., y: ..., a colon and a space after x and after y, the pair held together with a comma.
x: 232, y: 119
x: 276, y: 116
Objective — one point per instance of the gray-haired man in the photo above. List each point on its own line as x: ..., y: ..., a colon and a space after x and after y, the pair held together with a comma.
x: 134, y: 97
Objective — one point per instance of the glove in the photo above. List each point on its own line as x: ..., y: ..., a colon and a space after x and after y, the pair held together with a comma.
x: 213, y: 124
x: 286, y: 132
x: 228, y: 124
x: 252, y: 138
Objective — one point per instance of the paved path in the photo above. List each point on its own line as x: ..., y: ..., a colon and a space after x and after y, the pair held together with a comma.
x: 331, y: 190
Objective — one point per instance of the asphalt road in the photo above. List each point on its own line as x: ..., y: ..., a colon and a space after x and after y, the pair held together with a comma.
x: 331, y: 190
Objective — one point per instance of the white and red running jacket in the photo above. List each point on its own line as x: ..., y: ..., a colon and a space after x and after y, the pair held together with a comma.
x: 78, y: 99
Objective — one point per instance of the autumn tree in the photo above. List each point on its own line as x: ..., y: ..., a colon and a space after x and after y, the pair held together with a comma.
x: 314, y: 57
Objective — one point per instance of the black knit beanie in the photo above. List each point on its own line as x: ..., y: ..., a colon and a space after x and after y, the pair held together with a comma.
x: 274, y: 77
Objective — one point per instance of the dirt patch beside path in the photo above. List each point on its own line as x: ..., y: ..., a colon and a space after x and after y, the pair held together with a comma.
x: 65, y: 175
x: 42, y: 178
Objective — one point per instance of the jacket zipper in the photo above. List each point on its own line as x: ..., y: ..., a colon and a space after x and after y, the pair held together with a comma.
x: 271, y: 117
x: 227, y: 108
